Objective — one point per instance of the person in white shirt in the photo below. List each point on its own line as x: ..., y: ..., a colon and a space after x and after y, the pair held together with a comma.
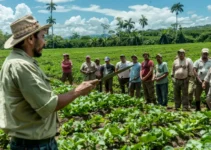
x: 123, y: 77
x: 201, y: 68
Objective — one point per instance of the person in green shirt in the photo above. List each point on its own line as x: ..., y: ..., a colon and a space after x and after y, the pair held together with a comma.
x: 28, y: 105
x: 160, y: 76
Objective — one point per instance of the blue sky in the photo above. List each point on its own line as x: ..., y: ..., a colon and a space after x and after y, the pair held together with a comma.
x: 86, y: 16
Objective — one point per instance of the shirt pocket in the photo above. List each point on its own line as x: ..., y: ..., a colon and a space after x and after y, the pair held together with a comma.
x: 200, y: 65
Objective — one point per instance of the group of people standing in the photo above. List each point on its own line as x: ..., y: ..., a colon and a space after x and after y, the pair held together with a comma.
x: 29, y: 106
x: 189, y: 79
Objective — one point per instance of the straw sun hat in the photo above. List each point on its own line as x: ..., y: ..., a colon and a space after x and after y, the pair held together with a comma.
x: 23, y: 28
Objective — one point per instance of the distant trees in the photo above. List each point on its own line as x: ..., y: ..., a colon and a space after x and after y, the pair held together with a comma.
x: 126, y: 34
x: 51, y: 7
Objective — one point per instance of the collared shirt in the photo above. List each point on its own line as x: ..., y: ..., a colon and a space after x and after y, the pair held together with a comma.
x: 120, y: 66
x: 160, y: 70
x: 107, y: 69
x: 135, y: 73
x: 202, y: 67
x: 182, y: 69
x: 208, y: 77
x: 27, y: 103
x: 89, y: 67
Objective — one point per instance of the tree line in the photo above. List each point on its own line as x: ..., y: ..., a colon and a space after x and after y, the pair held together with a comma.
x: 126, y: 34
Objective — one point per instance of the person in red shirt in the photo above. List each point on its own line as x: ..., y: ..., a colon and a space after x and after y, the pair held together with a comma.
x: 146, y: 74
x: 67, y: 69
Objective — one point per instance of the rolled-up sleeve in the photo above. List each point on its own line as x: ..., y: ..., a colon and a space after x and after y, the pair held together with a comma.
x: 35, y: 88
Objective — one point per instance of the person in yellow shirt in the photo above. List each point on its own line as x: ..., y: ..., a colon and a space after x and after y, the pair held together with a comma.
x: 28, y: 105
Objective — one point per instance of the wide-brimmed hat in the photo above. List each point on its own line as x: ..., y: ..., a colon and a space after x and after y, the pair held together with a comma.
x: 23, y: 28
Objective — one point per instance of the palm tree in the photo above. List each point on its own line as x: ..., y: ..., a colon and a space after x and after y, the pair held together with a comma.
x: 120, y: 25
x: 129, y: 24
x: 177, y: 8
x: 51, y: 20
x: 143, y: 22
x: 51, y: 7
x: 93, y: 42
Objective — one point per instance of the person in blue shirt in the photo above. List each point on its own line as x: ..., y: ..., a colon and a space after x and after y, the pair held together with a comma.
x: 161, y: 78
x: 135, y: 80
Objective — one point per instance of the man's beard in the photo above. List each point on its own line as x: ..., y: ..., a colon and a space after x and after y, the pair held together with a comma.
x: 204, y: 57
x: 36, y: 53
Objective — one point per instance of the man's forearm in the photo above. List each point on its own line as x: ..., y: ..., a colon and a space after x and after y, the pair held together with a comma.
x: 148, y: 75
x: 163, y: 76
x: 65, y: 99
x: 84, y: 72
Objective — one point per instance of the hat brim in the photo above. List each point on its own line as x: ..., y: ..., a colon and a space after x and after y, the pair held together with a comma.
x: 12, y: 42
x: 134, y: 56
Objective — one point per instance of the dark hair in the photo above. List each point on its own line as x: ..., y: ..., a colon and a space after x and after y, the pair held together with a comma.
x: 20, y: 44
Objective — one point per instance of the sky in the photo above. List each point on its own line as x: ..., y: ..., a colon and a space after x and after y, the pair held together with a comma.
x: 86, y: 16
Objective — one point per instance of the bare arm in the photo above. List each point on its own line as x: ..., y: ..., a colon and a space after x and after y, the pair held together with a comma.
x: 163, y: 76
x: 83, y: 89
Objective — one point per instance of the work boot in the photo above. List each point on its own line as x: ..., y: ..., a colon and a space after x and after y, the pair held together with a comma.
x: 198, y: 107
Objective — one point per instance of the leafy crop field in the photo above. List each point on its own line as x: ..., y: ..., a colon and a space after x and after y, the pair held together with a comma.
x: 103, y: 121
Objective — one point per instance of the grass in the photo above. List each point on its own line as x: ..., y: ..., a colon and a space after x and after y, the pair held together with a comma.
x: 50, y: 62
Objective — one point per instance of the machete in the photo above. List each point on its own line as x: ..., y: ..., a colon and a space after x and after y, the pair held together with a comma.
x: 115, y: 73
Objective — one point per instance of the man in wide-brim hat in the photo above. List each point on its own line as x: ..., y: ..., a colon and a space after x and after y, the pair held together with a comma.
x: 27, y: 103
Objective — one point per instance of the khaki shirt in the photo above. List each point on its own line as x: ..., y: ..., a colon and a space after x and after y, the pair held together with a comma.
x: 182, y: 69
x: 27, y: 103
x: 90, y: 67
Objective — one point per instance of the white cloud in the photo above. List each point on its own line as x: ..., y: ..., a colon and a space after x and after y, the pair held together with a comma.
x: 7, y: 15
x: 80, y: 25
x: 157, y: 17
x: 55, y: 1
x: 209, y: 7
x: 59, y: 9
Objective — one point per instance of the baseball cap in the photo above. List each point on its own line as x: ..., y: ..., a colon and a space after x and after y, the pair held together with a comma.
x: 159, y: 55
x: 145, y: 53
x: 88, y: 56
x: 134, y: 56
x: 107, y: 58
x: 205, y: 50
x: 65, y: 54
x: 181, y: 51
